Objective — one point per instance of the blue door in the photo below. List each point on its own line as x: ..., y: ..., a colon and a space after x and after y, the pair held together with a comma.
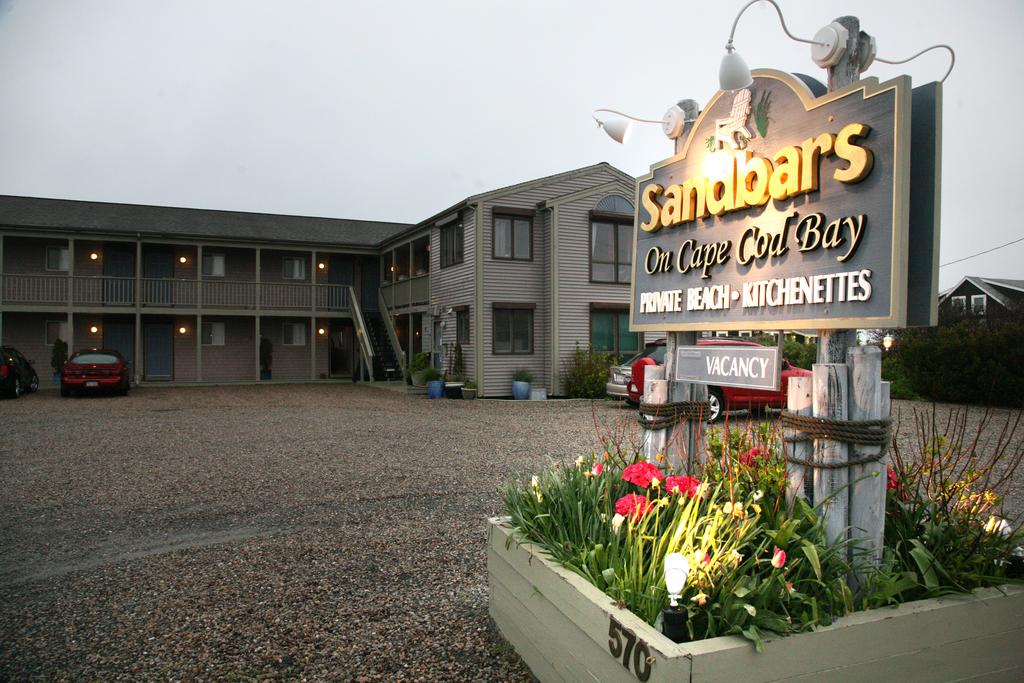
x: 118, y: 277
x: 340, y: 273
x: 158, y: 341
x: 158, y: 271
x: 120, y: 337
x: 369, y: 284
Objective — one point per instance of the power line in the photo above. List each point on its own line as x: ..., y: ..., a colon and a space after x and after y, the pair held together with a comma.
x: 1019, y: 239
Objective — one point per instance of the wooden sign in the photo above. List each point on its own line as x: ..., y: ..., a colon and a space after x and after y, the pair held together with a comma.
x: 787, y: 207
x: 750, y: 367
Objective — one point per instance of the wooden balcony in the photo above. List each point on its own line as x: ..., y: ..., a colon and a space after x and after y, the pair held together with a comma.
x: 413, y: 291
x: 154, y: 293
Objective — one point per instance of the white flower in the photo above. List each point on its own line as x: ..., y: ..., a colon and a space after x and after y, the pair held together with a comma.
x: 998, y: 525
x: 758, y: 495
x: 535, y: 482
x: 617, y: 521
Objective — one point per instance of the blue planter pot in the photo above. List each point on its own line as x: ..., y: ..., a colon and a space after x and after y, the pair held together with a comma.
x: 521, y: 391
x: 266, y: 374
x: 435, y: 388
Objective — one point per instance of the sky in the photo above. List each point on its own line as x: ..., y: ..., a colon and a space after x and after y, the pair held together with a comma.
x: 395, y: 110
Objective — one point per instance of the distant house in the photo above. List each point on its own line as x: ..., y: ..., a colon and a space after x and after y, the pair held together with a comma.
x: 983, y: 296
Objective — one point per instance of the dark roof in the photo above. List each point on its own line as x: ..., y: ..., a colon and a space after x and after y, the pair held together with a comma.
x: 102, y: 217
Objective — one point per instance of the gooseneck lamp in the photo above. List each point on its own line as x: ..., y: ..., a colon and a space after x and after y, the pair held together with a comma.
x: 672, y: 123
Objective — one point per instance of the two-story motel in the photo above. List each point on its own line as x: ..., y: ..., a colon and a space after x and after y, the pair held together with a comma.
x: 518, y: 277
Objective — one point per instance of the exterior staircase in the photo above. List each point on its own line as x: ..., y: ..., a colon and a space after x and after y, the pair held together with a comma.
x: 386, y: 364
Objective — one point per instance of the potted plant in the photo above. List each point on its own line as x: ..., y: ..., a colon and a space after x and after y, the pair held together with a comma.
x: 266, y: 358
x: 58, y: 357
x: 469, y: 390
x: 435, y: 382
x: 420, y: 364
x: 521, y: 384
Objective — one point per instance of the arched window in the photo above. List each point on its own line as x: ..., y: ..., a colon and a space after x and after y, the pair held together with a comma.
x: 615, y: 203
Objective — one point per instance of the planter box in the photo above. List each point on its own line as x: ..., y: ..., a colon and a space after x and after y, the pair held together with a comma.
x: 564, y: 628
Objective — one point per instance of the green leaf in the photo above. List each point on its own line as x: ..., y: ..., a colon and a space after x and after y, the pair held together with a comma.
x: 741, y: 591
x: 811, y: 553
x: 608, y: 575
x: 751, y: 610
x: 925, y: 563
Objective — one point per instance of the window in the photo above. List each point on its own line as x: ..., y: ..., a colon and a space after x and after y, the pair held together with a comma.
x: 213, y: 334
x: 611, y: 251
x: 615, y: 203
x: 513, y: 330
x: 56, y: 329
x: 609, y: 332
x: 451, y: 244
x: 213, y: 265
x: 960, y: 303
x: 978, y: 304
x: 462, y: 326
x: 294, y: 334
x: 513, y: 237
x: 294, y: 268
x: 58, y: 258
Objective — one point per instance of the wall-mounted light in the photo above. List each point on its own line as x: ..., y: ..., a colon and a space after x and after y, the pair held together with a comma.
x: 183, y: 259
x: 94, y: 256
x: 182, y: 330
x: 94, y: 329
x: 887, y: 342
x: 322, y: 265
x: 321, y: 331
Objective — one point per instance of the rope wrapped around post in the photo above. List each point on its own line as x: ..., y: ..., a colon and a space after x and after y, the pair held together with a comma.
x: 666, y: 415
x: 863, y: 432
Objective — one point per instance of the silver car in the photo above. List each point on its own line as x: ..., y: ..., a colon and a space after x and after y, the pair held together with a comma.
x: 619, y: 376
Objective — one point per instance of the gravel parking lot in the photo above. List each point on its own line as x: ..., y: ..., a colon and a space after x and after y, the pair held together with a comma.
x: 233, y: 533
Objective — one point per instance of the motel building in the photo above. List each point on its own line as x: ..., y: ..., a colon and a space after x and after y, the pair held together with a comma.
x: 518, y: 276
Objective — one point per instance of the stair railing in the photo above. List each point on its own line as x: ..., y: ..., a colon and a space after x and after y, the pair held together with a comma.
x: 389, y: 325
x: 362, y: 334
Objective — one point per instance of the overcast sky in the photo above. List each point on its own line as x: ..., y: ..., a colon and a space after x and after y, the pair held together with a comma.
x: 394, y: 110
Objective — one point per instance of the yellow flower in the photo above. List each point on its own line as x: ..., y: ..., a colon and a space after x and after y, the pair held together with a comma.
x: 735, y: 558
x: 700, y: 598
x: 540, y: 496
x: 655, y: 483
x: 587, y: 475
x: 535, y: 482
x: 607, y: 457
x: 757, y: 508
x: 579, y: 462
x: 727, y: 508
x: 660, y: 457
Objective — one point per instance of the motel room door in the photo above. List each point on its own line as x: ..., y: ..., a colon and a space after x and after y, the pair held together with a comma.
x: 120, y: 336
x: 158, y: 271
x: 158, y: 349
x: 341, y: 339
x: 119, y: 276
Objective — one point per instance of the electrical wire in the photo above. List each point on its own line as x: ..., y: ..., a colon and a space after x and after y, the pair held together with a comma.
x: 1019, y: 239
x: 778, y: 10
x: 940, y: 46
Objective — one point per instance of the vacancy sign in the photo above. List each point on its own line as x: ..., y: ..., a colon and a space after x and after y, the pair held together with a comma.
x: 729, y: 366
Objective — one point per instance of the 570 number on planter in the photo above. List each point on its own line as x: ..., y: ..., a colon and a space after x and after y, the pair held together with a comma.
x: 622, y: 642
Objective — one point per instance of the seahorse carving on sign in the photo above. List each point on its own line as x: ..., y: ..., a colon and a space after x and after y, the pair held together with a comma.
x: 727, y: 129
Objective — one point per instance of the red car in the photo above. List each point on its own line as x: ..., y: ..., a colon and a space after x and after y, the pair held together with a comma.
x: 720, y: 398
x: 95, y: 370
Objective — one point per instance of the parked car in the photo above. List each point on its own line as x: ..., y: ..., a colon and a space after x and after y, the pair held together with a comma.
x: 17, y: 375
x: 95, y: 370
x: 720, y: 399
x: 619, y: 375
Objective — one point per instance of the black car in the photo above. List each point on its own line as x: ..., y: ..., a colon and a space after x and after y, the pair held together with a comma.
x: 16, y: 374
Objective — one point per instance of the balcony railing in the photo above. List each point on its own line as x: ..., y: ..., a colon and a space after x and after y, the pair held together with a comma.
x: 407, y: 292
x: 53, y: 290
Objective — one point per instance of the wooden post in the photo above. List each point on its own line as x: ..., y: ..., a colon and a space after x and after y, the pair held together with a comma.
x: 867, y: 481
x: 798, y: 401
x: 655, y: 393
x: 687, y: 440
x: 830, y: 401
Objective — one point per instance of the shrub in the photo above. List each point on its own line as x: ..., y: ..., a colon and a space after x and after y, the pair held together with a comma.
x: 800, y: 355
x: 59, y: 355
x: 431, y: 374
x: 522, y: 375
x: 420, y: 362
x: 585, y: 375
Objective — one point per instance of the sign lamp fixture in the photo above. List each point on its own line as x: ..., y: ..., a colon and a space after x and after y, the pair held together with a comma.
x: 827, y: 49
x: 672, y: 124
x: 677, y: 569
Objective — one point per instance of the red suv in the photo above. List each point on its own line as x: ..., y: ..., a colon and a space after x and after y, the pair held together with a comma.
x: 720, y: 398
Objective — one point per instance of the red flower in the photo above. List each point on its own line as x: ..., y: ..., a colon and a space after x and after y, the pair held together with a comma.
x: 894, y: 480
x: 633, y: 506
x: 779, y: 558
x: 642, y: 474
x: 597, y: 469
x: 682, y: 485
x: 750, y: 458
